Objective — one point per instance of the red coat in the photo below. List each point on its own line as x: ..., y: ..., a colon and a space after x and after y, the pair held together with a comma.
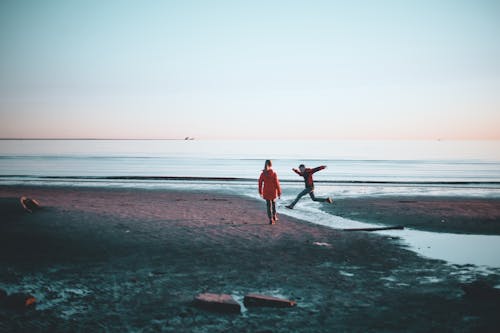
x: 269, y: 185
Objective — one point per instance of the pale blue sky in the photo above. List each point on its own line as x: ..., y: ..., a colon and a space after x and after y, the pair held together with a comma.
x: 250, y: 69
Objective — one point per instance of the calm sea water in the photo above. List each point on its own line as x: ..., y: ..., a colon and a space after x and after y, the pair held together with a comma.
x: 355, y: 168
x: 383, y: 161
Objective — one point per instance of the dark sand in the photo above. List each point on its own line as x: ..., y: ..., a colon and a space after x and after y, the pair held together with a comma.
x: 455, y: 215
x: 117, y: 260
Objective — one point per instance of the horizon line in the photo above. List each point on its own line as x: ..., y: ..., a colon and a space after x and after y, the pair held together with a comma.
x: 239, y: 139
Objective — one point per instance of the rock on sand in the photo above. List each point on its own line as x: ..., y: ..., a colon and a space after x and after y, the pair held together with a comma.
x: 217, y: 302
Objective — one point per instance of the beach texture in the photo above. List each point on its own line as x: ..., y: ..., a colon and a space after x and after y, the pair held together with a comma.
x: 440, y: 214
x: 101, y: 260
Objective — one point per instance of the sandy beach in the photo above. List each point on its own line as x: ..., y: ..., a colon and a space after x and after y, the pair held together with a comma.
x: 119, y: 260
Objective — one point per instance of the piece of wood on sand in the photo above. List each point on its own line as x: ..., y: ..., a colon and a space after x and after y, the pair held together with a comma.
x: 397, y: 227
x: 217, y: 302
x: 30, y: 205
x: 267, y: 301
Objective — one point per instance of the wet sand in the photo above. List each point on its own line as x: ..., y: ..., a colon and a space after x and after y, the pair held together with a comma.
x: 133, y: 260
x: 455, y: 215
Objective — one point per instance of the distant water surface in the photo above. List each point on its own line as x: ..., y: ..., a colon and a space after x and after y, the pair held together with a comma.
x: 379, y: 161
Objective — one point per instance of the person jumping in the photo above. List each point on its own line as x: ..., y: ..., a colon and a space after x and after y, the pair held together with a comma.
x: 309, y: 183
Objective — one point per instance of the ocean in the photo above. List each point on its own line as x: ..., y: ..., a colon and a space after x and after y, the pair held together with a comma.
x: 474, y: 163
x: 355, y: 169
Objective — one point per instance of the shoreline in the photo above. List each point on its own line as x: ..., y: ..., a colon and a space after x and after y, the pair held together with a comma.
x: 461, y: 215
x: 130, y: 259
x: 253, y: 180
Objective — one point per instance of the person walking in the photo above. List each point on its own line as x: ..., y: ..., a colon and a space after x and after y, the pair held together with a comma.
x: 307, y: 173
x: 269, y: 189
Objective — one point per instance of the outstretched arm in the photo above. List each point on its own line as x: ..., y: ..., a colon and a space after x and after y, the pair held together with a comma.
x: 319, y: 168
x: 297, y: 171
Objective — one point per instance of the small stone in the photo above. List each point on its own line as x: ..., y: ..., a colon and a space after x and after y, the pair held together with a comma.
x: 20, y: 301
x: 217, y: 302
x: 267, y: 301
x: 322, y: 244
x: 30, y: 205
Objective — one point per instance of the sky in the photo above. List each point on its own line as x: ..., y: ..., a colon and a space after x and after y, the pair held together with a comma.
x: 401, y: 69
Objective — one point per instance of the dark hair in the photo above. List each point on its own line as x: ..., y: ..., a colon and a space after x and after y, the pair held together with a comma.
x: 268, y: 163
x: 302, y: 166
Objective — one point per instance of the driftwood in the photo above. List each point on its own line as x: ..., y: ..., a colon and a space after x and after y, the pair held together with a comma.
x: 397, y: 227
x: 268, y: 301
x: 217, y: 302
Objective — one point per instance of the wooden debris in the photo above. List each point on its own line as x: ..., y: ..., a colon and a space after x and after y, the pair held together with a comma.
x: 397, y: 227
x: 30, y: 205
x: 217, y: 302
x: 268, y: 301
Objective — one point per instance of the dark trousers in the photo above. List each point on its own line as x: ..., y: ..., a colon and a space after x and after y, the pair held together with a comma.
x: 310, y: 191
x: 271, y: 209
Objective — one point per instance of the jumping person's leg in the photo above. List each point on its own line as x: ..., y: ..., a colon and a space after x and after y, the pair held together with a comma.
x: 300, y: 195
x: 314, y: 198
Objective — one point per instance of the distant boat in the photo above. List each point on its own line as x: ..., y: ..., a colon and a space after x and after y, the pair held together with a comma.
x: 188, y: 138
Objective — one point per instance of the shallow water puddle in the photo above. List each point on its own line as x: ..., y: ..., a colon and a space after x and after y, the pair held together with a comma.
x: 461, y: 249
